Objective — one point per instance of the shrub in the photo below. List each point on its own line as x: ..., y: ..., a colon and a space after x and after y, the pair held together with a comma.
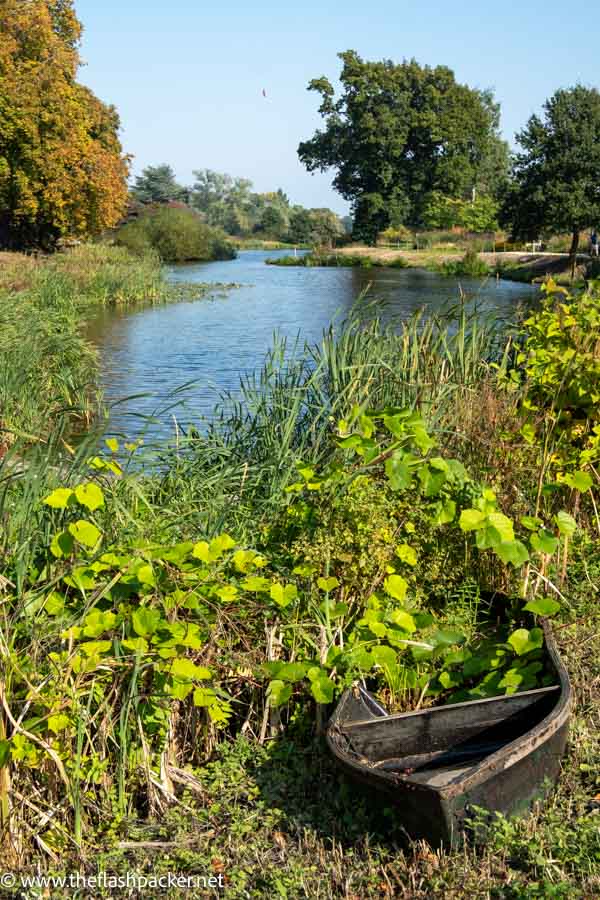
x: 470, y: 265
x: 177, y: 235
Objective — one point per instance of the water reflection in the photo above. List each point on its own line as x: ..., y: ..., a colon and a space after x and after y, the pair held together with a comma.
x: 154, y: 351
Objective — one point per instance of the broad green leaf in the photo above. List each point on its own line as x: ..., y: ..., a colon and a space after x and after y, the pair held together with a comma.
x: 204, y: 697
x: 283, y: 595
x: 90, y: 496
x: 450, y: 679
x: 136, y: 645
x: 55, y: 604
x: 580, y: 481
x: 97, y: 622
x: 327, y: 584
x: 62, y: 544
x: 92, y: 648
x: 396, y: 586
x: 279, y: 692
x: 58, y: 723
x: 407, y: 554
x: 403, y: 620
x: 444, y: 512
x: 398, y: 471
x: 85, y: 532
x: 145, y: 621
x: 531, y: 523
x: 112, y: 444
x: 523, y: 641
x: 185, y: 669
x: 513, y: 552
x: 544, y: 541
x: 432, y: 480
x: 145, y: 575
x: 200, y: 551
x: 447, y: 637
x: 543, y: 606
x: 256, y: 583
x: 291, y: 672
x: 228, y: 593
x: 471, y: 519
x: 566, y: 523
x: 59, y: 499
x: 384, y: 656
x: 322, y: 688
x: 221, y: 543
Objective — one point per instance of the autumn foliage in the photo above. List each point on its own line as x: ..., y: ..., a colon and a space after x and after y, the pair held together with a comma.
x: 62, y: 168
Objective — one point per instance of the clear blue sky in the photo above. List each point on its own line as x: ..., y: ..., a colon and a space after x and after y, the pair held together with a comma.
x: 187, y: 76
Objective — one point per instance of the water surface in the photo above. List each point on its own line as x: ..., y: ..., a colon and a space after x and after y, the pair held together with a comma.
x: 155, y: 350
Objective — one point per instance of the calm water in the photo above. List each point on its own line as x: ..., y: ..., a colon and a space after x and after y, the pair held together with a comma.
x: 154, y: 351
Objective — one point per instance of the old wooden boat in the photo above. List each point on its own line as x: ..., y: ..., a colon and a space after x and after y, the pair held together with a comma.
x: 437, y: 764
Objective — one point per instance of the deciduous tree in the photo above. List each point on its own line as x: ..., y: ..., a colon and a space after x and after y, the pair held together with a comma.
x: 396, y: 134
x: 62, y: 169
x: 556, y: 176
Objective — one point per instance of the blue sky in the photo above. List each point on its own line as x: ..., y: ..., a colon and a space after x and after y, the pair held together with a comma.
x: 187, y: 77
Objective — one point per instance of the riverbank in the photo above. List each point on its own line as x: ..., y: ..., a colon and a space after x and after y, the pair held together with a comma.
x: 48, y: 370
x: 511, y: 265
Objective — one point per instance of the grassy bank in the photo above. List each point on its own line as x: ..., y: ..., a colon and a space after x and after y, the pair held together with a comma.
x: 512, y: 265
x: 47, y: 370
x: 171, y: 639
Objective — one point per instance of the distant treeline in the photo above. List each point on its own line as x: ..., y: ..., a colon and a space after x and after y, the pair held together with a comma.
x: 231, y: 204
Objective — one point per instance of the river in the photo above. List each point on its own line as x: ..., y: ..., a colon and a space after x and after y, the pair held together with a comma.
x: 148, y: 353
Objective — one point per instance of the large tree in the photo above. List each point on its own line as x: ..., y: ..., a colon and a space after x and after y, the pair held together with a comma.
x: 398, y: 133
x: 556, y: 176
x: 157, y: 184
x: 62, y: 169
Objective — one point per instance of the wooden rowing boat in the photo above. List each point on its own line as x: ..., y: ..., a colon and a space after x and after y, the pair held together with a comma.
x: 438, y: 764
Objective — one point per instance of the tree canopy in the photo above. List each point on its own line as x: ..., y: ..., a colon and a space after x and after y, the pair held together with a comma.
x: 556, y: 176
x: 397, y: 134
x: 157, y: 184
x: 62, y: 169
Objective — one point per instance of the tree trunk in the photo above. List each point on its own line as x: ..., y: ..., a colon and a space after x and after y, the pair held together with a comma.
x: 573, y: 251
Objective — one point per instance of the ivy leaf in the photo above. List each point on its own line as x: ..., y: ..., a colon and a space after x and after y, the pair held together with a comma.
x: 92, y: 648
x: 566, y: 523
x: 90, y: 496
x: 447, y: 637
x: 59, y: 499
x: 85, y: 532
x: 444, y: 512
x: 531, y: 523
x: 220, y: 544
x: 396, y: 586
x: 291, y: 672
x: 136, y: 645
x: 97, y: 622
x: 228, y: 593
x: 256, y: 583
x: 321, y: 686
x: 186, y: 670
x: 55, y: 604
x: 543, y: 606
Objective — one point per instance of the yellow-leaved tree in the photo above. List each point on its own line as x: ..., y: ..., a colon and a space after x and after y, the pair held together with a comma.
x: 62, y: 168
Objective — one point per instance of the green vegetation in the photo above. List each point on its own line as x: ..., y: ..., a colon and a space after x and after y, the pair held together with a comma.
x: 176, y: 235
x: 333, y: 260
x: 402, y: 136
x: 470, y: 265
x: 230, y: 204
x: 555, y: 177
x: 48, y: 371
x: 373, y: 492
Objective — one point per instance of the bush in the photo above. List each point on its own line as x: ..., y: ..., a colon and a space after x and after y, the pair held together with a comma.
x: 470, y: 265
x: 177, y: 235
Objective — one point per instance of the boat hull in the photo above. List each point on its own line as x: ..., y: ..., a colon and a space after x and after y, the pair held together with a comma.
x: 439, y: 766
